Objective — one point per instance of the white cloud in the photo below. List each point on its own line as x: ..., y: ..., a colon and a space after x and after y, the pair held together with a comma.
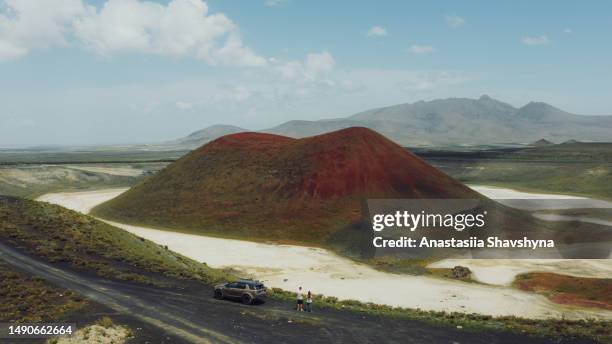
x: 182, y: 105
x: 275, y: 3
x: 179, y: 28
x: 240, y: 94
x: 321, y: 63
x: 16, y: 121
x: 10, y: 50
x: 182, y: 28
x: 535, y: 40
x: 568, y: 30
x: 26, y: 25
x: 377, y: 31
x: 454, y: 21
x: 430, y: 81
x: 316, y: 66
x: 421, y: 49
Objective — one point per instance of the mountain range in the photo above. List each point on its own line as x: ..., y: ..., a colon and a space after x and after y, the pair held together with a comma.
x: 444, y: 122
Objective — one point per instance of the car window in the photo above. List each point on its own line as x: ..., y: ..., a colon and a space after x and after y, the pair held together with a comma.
x: 233, y: 285
x: 240, y: 285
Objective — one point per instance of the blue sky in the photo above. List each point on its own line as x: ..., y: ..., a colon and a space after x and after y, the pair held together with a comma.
x: 121, y: 71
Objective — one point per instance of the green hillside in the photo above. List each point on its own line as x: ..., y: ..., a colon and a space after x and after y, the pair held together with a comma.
x: 60, y: 235
x: 583, y: 169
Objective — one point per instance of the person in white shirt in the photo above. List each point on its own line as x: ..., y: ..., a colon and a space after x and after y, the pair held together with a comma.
x: 300, y: 300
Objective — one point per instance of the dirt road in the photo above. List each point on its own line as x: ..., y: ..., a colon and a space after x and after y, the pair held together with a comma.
x: 193, y: 316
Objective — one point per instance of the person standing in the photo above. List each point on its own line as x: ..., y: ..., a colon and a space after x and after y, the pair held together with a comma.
x: 300, y: 300
x: 309, y: 302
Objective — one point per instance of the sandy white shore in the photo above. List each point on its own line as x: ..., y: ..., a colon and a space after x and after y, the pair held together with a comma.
x: 324, y: 272
x: 503, y: 271
x: 538, y: 201
x: 82, y: 201
x: 116, y: 171
x: 504, y: 193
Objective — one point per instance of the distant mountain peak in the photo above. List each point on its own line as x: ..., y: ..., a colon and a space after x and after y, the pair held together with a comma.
x: 485, y: 100
x: 539, y: 110
x: 542, y: 142
x: 216, y: 127
x: 210, y: 133
x: 534, y: 104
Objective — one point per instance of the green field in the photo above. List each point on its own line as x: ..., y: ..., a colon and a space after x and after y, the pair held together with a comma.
x: 74, y: 156
x: 583, y: 169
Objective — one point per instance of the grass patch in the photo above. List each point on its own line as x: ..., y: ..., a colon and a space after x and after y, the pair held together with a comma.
x: 591, y: 180
x: 600, y: 331
x: 29, y: 299
x: 401, y: 266
x: 105, y: 322
x: 418, y: 267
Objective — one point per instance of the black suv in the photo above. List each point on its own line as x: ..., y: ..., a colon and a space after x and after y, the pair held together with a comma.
x: 246, y: 290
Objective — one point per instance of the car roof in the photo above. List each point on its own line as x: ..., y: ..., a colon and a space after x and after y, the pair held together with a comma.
x: 249, y: 281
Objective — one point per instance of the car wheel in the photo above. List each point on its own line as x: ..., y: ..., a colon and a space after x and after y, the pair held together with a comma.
x: 246, y: 299
x: 218, y: 294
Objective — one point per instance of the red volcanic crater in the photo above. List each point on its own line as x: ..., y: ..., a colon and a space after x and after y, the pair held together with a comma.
x: 255, y: 185
x: 349, y: 162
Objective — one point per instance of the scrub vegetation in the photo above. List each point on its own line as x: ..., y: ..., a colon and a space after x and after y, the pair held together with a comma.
x: 578, y: 291
x: 30, y: 299
x: 102, y: 331
x: 418, y: 267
